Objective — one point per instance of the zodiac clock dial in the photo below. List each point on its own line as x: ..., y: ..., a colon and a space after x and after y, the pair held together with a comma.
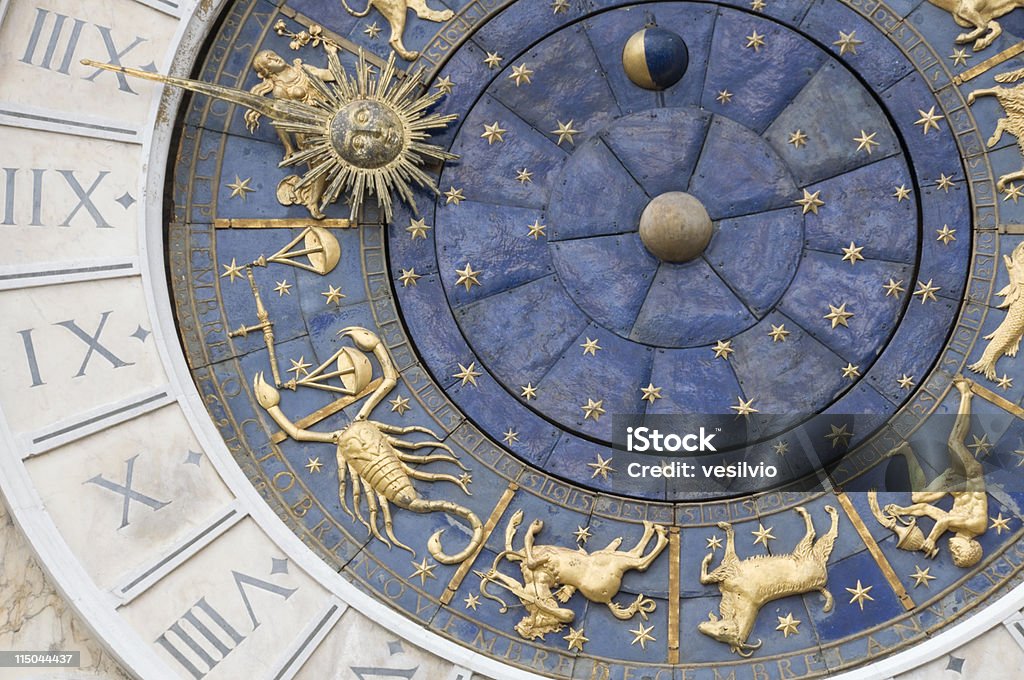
x: 425, y: 261
x: 663, y: 208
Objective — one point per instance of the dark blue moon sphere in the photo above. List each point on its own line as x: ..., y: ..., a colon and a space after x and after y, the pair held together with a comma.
x: 655, y: 58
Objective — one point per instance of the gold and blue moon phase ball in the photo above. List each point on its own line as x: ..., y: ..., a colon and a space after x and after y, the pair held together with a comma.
x: 655, y: 58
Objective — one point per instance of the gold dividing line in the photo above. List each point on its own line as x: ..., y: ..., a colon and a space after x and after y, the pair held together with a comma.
x: 327, y: 411
x: 1001, y: 402
x: 673, y: 595
x: 492, y: 522
x: 285, y: 223
x: 979, y: 68
x: 876, y: 552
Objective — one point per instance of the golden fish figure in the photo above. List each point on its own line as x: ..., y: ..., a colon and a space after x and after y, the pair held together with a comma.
x: 378, y: 462
x: 1006, y: 339
x: 747, y: 585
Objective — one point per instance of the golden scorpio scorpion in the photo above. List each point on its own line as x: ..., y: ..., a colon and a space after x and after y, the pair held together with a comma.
x: 369, y: 454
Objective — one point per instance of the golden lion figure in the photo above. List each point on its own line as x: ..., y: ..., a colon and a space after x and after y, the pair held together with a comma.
x: 747, y: 585
x: 552, y: 574
x: 394, y: 11
x: 979, y: 15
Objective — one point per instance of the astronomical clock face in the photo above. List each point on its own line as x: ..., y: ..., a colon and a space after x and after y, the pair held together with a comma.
x: 405, y: 275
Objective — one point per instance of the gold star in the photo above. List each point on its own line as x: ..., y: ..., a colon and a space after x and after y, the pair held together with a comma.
x: 593, y: 409
x: 560, y: 6
x: 333, y: 295
x: 781, y: 447
x: 511, y: 437
x: 423, y: 571
x: 960, y: 57
x: 894, y: 288
x: 529, y: 392
x: 493, y: 133
x: 468, y: 277
x: 906, y: 381
x: 409, y: 276
x: 926, y: 291
x: 444, y: 85
x: 468, y: 374
x: 601, y: 467
x: 1000, y: 523
x: 1006, y: 382
x: 866, y: 142
x: 778, y: 333
x: 232, y: 271
x: 902, y: 193
x: 921, y: 576
x: 240, y: 187
x: 850, y: 371
x: 860, y: 593
x: 523, y: 176
x: 1020, y: 455
x: 929, y: 119
x: 313, y: 465
x: 575, y: 639
x: 590, y: 347
x: 417, y: 228
x: 724, y: 97
x: 762, y: 535
x: 283, y: 288
x: 453, y: 195
x: 838, y: 315
x: 565, y: 132
x: 744, y: 408
x: 839, y: 436
x: 299, y: 367
x: 466, y: 479
x: 714, y: 543
x: 945, y: 183
x: 1013, y: 192
x: 373, y: 30
x: 582, y: 534
x: 650, y: 393
x: 642, y: 635
x: 755, y: 41
x: 722, y: 349
x: 399, y: 405
x: 980, y: 447
x: 757, y: 5
x: 472, y: 601
x: 847, y: 43
x: 945, y: 234
x: 852, y: 254
x: 810, y: 202
x: 536, y: 229
x: 521, y: 74
x: 492, y: 60
x: 798, y: 139
x: 787, y: 624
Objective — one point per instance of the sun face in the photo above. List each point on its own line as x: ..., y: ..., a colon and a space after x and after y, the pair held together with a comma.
x: 370, y: 136
x: 357, y: 135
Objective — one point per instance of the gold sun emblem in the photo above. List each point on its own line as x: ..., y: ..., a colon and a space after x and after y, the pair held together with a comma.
x: 361, y: 135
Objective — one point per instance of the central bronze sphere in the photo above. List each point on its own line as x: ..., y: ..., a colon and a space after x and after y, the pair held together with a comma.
x: 367, y: 134
x: 675, y: 227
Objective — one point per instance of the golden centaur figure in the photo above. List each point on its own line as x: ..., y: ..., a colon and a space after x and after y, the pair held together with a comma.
x: 377, y: 462
x: 552, y: 574
x: 291, y: 82
x: 979, y: 15
x: 1005, y: 340
x: 747, y: 585
x: 964, y: 480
